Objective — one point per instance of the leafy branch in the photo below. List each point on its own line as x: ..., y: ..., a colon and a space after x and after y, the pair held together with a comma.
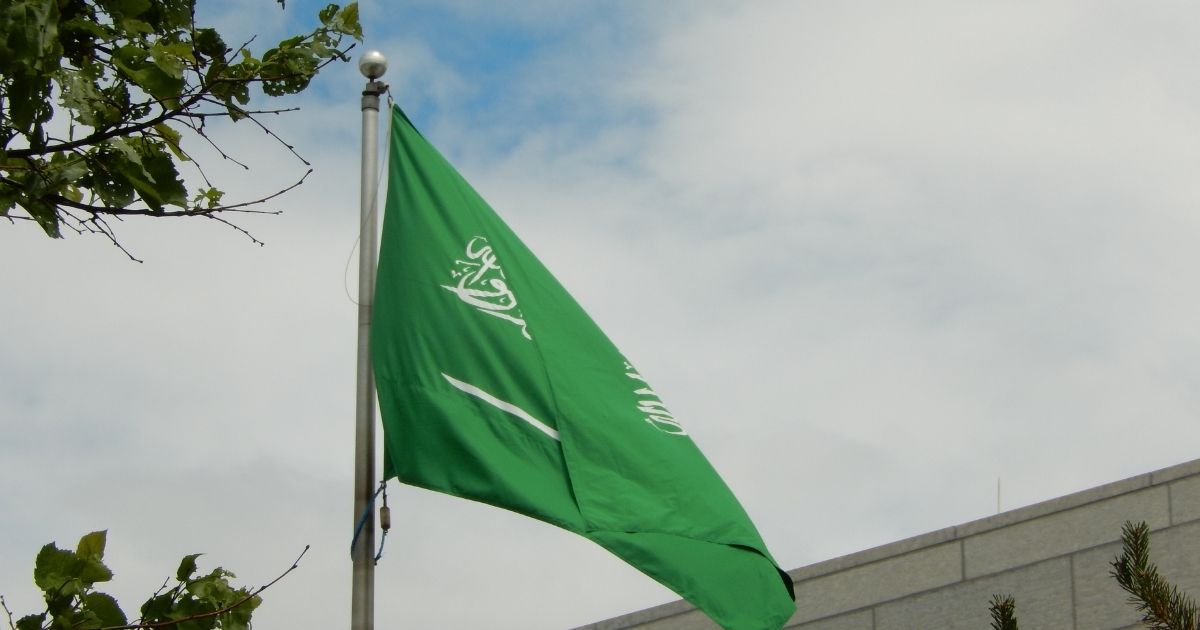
x: 196, y: 602
x: 97, y: 99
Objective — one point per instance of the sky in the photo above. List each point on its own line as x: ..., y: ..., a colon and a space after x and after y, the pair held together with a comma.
x: 877, y: 257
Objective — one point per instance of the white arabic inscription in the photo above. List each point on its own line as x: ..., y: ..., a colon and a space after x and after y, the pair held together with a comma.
x: 656, y: 413
x: 481, y: 284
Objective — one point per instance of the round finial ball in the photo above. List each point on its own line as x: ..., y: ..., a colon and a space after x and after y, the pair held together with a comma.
x: 372, y: 64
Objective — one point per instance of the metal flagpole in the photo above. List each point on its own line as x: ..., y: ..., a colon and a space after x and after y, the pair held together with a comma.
x: 362, y: 593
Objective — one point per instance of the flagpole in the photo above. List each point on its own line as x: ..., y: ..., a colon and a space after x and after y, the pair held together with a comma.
x: 362, y: 593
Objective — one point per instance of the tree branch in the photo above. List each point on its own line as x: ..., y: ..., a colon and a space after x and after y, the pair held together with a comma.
x: 240, y: 207
x: 101, y: 136
x: 186, y: 212
x: 215, y: 613
x: 8, y: 612
x: 199, y: 129
x: 225, y: 114
x: 280, y: 140
x: 120, y: 84
x: 236, y: 227
x: 102, y: 227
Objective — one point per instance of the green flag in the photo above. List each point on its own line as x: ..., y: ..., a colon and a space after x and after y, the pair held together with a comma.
x: 495, y: 386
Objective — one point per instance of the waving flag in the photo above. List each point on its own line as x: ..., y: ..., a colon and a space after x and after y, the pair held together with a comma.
x: 494, y: 385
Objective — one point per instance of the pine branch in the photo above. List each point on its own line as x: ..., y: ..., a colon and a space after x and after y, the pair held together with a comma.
x: 1004, y: 612
x: 1162, y: 605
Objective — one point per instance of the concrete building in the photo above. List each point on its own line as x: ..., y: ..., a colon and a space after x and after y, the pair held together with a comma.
x: 1053, y: 557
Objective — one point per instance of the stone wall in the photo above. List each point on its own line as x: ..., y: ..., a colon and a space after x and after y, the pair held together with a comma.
x: 1053, y: 557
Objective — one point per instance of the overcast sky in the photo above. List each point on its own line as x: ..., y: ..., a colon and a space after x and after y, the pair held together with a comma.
x: 875, y: 256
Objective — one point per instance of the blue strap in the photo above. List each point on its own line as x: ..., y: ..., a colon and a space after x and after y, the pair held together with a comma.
x: 362, y: 521
x: 382, y: 539
x: 387, y: 525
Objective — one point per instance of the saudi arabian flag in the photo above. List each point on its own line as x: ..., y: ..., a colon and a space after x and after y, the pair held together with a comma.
x: 495, y: 386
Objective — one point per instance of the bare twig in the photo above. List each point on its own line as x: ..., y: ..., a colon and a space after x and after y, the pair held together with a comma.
x: 236, y: 227
x: 66, y: 218
x: 8, y: 612
x: 162, y: 588
x: 240, y: 207
x: 235, y: 53
x: 196, y: 165
x: 102, y: 227
x: 280, y: 140
x: 199, y: 129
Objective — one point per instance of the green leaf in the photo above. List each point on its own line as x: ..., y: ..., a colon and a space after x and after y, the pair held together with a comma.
x: 166, y: 187
x: 81, y: 95
x: 213, y: 588
x: 80, y: 34
x: 116, y: 99
x: 62, y: 170
x: 104, y: 180
x: 30, y: 43
x: 236, y: 113
x: 209, y: 43
x: 170, y: 15
x: 31, y: 622
x: 53, y: 567
x: 148, y: 169
x: 157, y: 608
x: 239, y: 618
x: 132, y: 63
x: 171, y: 57
x: 72, y: 192
x: 86, y: 26
x: 8, y: 199
x: 76, y: 619
x: 28, y: 102
x: 171, y: 138
x: 106, y: 609
x: 91, y: 546
x: 347, y: 22
x: 187, y: 567
x: 93, y: 570
x: 208, y: 198
x: 136, y: 27
x: 125, y: 147
x: 45, y: 213
x: 191, y: 607
x: 131, y: 8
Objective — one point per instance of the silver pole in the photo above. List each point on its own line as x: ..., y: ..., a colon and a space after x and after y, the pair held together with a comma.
x: 362, y: 593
